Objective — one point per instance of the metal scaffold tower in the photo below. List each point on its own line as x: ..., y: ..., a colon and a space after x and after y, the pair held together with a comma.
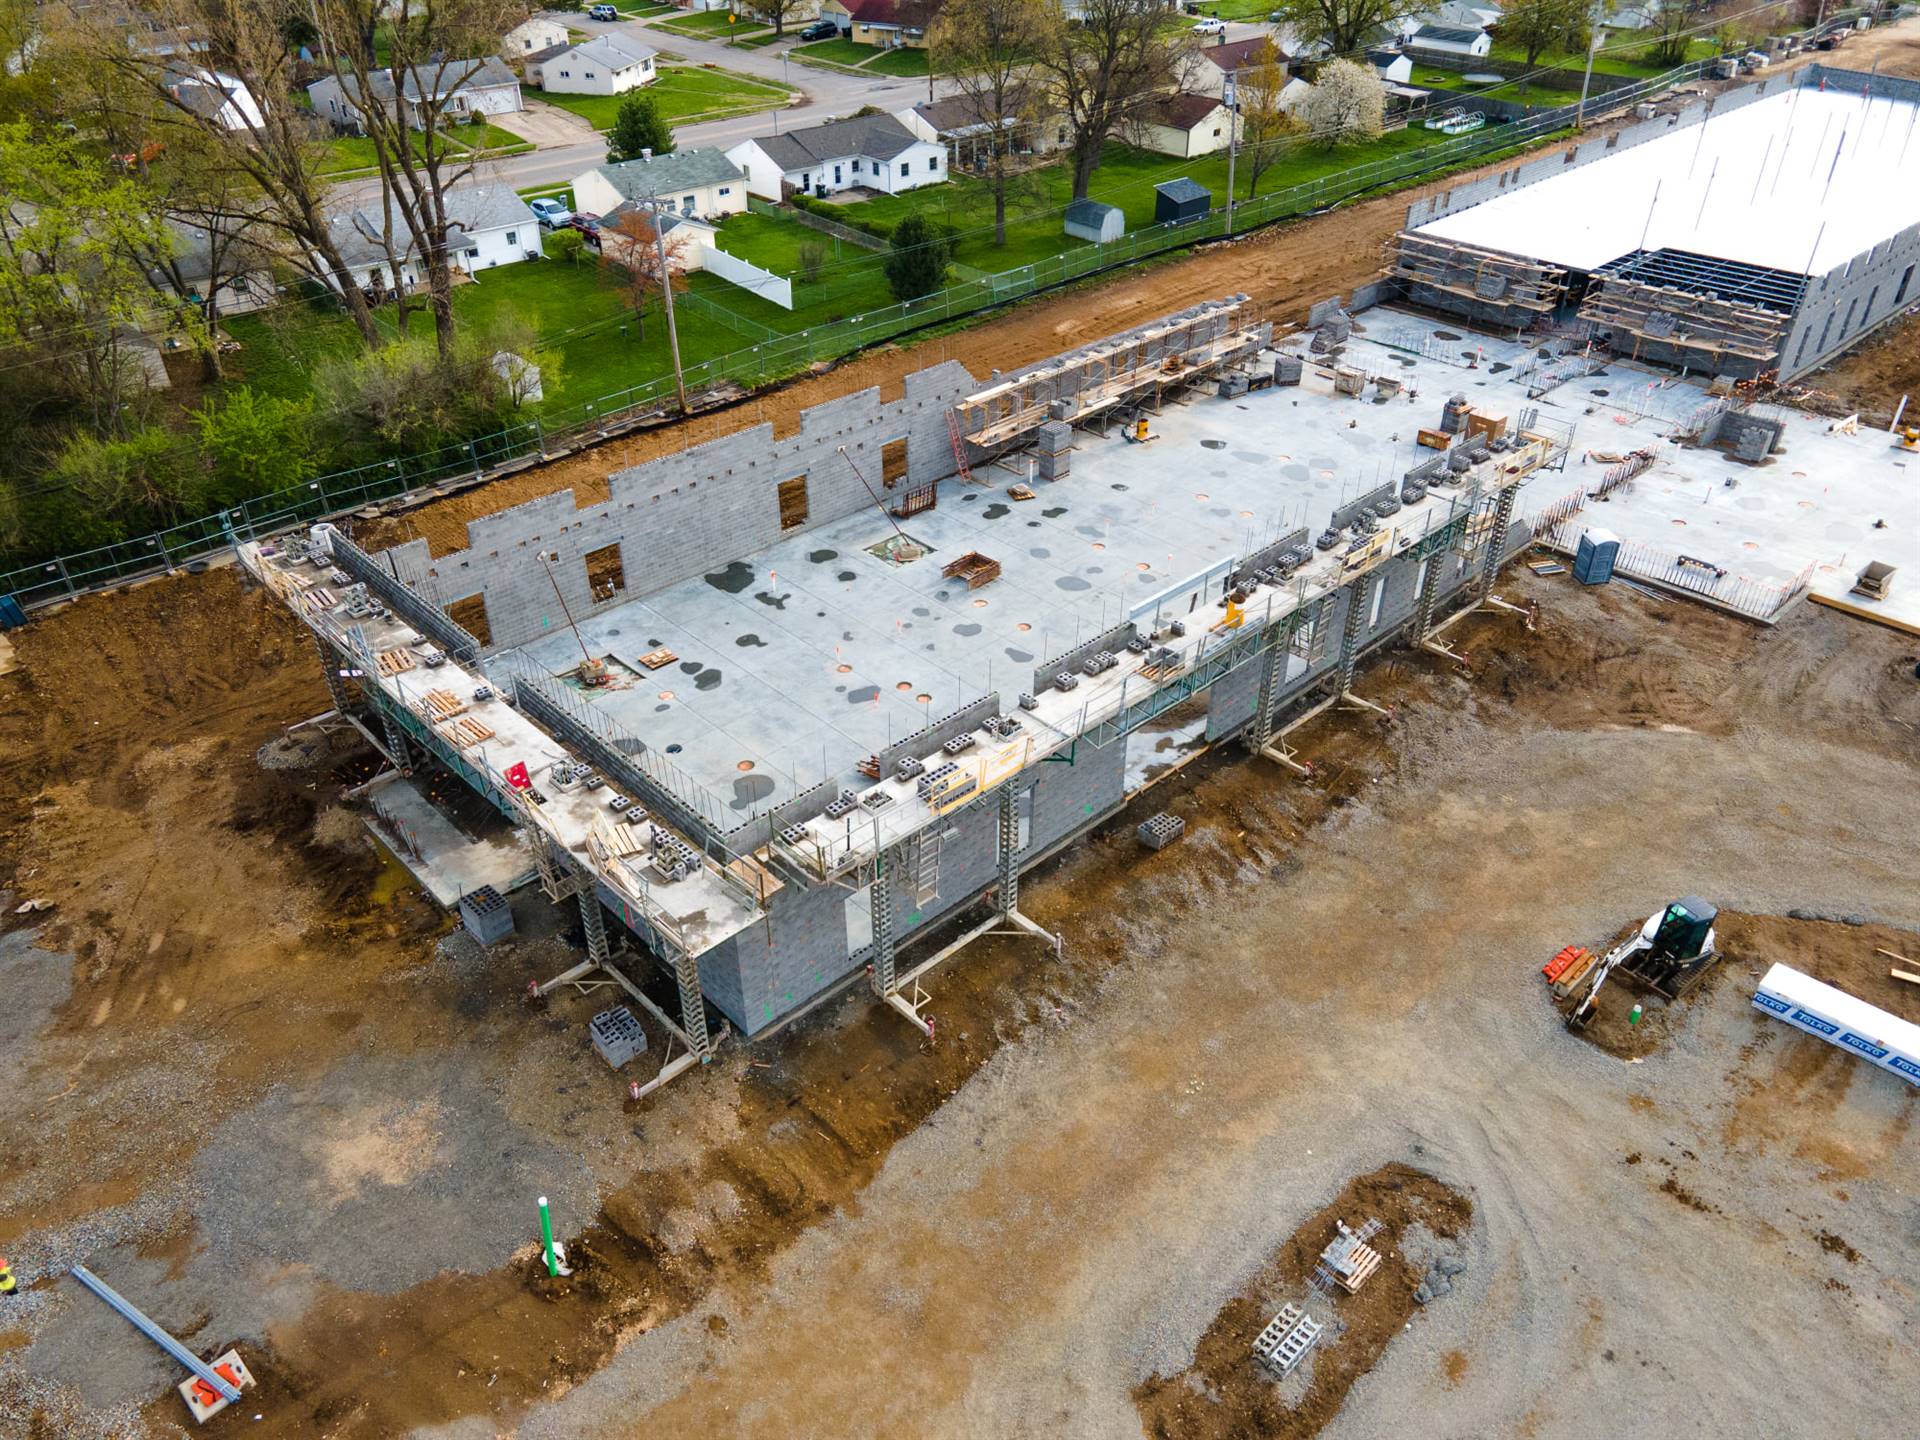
x: 905, y: 992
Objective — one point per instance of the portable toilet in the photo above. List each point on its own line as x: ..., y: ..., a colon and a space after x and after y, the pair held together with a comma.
x: 1593, y: 560
x: 1182, y: 199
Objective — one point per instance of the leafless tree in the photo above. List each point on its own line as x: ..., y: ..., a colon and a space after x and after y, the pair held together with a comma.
x: 985, y: 47
x: 273, y: 144
x: 408, y: 103
x: 1112, y: 60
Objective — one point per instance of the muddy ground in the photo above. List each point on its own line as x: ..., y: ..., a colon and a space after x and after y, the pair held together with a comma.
x: 263, y: 1090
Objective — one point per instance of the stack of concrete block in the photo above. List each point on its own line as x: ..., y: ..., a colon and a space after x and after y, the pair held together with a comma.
x: 485, y: 914
x: 617, y: 1036
x: 1288, y: 369
x: 1232, y: 385
x: 1055, y: 440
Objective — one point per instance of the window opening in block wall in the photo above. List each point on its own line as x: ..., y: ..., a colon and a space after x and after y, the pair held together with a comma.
x: 793, y: 502
x: 606, y: 574
x: 893, y: 462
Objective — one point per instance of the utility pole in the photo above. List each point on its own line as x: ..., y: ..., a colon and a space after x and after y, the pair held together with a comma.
x: 1231, y: 95
x: 666, y: 296
x: 1593, y: 45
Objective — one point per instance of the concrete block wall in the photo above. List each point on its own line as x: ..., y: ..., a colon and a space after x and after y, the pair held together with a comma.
x: 685, y: 514
x: 1852, y: 300
x: 771, y: 970
x: 1114, y: 640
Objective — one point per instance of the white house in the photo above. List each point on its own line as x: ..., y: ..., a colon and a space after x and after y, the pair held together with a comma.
x: 961, y: 122
x: 609, y: 64
x: 1459, y: 41
x: 223, y: 99
x: 875, y: 152
x: 538, y: 33
x: 1213, y: 63
x: 1185, y: 124
x: 464, y: 89
x: 695, y: 183
x: 492, y: 227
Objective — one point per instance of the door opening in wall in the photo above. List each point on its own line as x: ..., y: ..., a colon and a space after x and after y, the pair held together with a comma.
x: 793, y: 502
x: 893, y: 462
x: 470, y: 615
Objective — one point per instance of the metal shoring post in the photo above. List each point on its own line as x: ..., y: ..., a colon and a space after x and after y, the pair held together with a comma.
x: 593, y: 922
x: 1350, y: 644
x: 880, y: 905
x: 1496, y: 541
x: 396, y: 742
x: 330, y: 669
x: 693, y: 1005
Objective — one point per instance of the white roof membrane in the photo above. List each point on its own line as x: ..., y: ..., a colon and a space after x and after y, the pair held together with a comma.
x: 1802, y: 181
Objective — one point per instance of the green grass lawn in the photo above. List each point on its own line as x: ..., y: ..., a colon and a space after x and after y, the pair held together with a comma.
x: 834, y: 52
x: 1126, y: 178
x: 1619, y: 55
x: 903, y: 62
x: 346, y: 154
x: 711, y: 24
x: 582, y: 303
x: 1555, y: 87
x: 756, y: 42
x: 1238, y: 9
x: 851, y: 279
x: 684, y: 93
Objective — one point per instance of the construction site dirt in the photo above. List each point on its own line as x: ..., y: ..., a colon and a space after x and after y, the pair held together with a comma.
x: 261, y: 1087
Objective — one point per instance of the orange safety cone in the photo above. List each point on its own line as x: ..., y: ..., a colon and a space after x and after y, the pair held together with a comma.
x: 7, y: 1283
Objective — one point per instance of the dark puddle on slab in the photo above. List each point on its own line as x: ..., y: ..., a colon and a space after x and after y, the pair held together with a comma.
x: 735, y: 578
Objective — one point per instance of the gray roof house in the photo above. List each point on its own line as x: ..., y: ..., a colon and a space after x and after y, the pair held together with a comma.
x: 692, y: 182
x: 476, y: 87
x: 492, y: 227
x: 873, y: 152
x: 1091, y: 220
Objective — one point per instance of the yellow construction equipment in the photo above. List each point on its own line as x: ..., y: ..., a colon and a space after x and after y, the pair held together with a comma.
x: 1235, y: 617
x: 1908, y: 437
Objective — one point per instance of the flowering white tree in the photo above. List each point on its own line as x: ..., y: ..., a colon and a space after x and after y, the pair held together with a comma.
x: 1348, y: 103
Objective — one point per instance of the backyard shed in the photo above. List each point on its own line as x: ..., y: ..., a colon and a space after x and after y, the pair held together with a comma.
x: 1181, y: 199
x: 1090, y: 220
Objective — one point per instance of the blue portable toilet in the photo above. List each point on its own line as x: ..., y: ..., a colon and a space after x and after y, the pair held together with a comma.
x: 1593, y: 561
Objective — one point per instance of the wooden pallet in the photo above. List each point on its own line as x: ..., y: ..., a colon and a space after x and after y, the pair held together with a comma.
x: 444, y: 705
x: 467, y: 732
x: 320, y: 598
x: 654, y: 659
x: 1366, y: 1260
x: 393, y: 662
x: 976, y: 569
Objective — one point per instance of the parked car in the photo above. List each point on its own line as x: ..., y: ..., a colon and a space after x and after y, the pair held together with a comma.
x: 551, y: 214
x: 1212, y: 25
x: 602, y: 12
x: 587, y: 225
x: 820, y: 30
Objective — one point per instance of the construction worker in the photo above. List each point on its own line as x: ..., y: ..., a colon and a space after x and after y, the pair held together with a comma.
x: 7, y: 1283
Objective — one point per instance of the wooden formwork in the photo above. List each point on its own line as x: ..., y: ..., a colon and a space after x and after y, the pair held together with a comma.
x: 1639, y: 314
x: 1491, y: 278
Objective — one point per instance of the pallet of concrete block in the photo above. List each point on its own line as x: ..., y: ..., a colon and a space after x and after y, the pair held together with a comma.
x: 485, y: 915
x: 1286, y: 1340
x: 617, y: 1035
x: 1160, y: 831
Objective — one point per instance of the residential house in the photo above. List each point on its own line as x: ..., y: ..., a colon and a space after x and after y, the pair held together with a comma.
x: 701, y: 184
x: 1184, y: 125
x: 213, y: 96
x: 466, y: 89
x: 492, y: 227
x: 960, y: 122
x: 245, y: 282
x: 688, y: 240
x: 1214, y: 63
x: 609, y: 64
x: 538, y: 33
x: 1444, y: 42
x: 873, y: 152
x: 886, y: 24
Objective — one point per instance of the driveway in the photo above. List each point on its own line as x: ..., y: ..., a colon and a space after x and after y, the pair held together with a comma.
x: 545, y: 125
